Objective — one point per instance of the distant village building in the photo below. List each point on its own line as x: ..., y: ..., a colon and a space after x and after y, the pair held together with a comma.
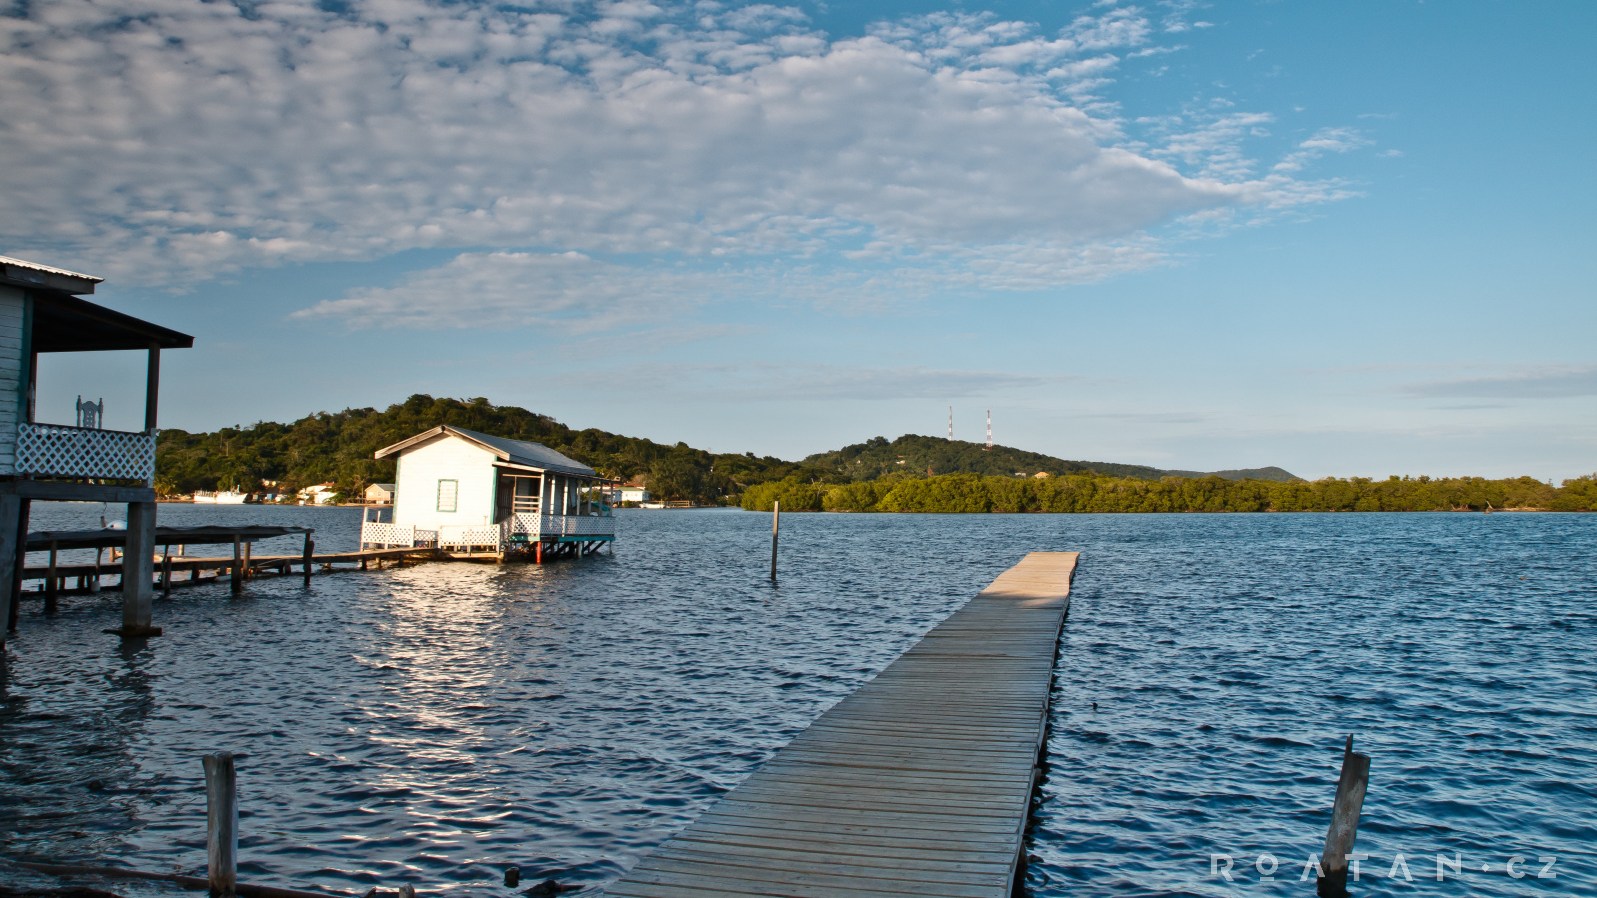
x: 41, y: 312
x: 320, y: 494
x: 380, y: 494
x: 472, y: 493
x: 634, y: 493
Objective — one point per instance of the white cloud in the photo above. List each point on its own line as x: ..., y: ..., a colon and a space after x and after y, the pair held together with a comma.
x: 171, y: 140
x: 568, y: 290
x: 1553, y: 382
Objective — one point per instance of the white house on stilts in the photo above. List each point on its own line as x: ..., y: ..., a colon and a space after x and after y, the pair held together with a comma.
x: 475, y: 495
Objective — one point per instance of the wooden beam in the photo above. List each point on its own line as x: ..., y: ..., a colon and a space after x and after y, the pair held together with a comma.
x: 63, y: 491
x: 152, y: 387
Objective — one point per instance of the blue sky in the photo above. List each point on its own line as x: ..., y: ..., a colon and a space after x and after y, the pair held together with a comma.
x: 1346, y: 239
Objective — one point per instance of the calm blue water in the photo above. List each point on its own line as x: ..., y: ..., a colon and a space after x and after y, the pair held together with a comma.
x: 435, y: 724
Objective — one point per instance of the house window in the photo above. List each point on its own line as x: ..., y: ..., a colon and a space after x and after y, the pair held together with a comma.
x: 448, y: 490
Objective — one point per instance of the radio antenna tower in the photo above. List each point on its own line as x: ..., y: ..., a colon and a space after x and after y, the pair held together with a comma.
x: 950, y: 422
x: 989, y: 429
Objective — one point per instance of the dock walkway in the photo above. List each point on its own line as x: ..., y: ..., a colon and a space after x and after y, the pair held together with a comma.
x: 918, y: 784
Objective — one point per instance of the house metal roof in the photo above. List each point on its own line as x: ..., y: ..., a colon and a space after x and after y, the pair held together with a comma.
x: 9, y: 262
x: 518, y: 452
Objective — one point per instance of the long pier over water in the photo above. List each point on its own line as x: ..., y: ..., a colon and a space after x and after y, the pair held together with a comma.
x: 918, y: 784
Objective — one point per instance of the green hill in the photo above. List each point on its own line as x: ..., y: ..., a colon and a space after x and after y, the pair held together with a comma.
x: 923, y: 455
x: 337, y: 447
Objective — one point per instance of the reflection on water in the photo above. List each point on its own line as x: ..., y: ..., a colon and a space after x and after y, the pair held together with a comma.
x: 438, y: 723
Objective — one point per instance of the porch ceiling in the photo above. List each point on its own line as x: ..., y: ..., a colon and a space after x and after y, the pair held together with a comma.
x: 63, y: 323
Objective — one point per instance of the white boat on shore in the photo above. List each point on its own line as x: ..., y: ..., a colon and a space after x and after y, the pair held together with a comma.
x: 225, y: 497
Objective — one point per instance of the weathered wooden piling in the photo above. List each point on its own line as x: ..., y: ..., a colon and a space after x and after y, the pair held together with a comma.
x: 1350, y: 788
x: 221, y: 824
x: 776, y: 524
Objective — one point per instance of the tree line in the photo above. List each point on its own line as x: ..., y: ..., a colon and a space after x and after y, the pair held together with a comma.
x: 904, y: 475
x: 974, y: 493
x: 337, y: 447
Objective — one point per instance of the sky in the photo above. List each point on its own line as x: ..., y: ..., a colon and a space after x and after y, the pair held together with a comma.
x: 1349, y: 239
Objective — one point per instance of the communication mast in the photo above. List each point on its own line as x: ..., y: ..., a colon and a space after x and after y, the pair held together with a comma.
x: 989, y: 429
x: 950, y: 422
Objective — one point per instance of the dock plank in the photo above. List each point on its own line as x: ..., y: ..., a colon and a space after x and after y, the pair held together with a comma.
x: 919, y: 783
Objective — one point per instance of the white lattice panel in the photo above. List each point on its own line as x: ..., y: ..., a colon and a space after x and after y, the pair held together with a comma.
x: 577, y: 525
x: 382, y: 533
x: 464, y: 536
x: 56, y: 450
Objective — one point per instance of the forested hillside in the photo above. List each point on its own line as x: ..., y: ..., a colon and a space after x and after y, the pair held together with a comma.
x: 338, y: 447
x: 911, y: 473
x: 934, y: 455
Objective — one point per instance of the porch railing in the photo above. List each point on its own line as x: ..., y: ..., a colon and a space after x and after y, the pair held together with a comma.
x: 57, y: 450
x: 575, y: 525
x: 385, y: 535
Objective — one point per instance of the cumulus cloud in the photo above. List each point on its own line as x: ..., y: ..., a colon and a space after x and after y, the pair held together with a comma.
x: 179, y: 139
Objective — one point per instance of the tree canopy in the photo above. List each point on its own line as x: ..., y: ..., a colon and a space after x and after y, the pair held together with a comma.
x: 911, y: 473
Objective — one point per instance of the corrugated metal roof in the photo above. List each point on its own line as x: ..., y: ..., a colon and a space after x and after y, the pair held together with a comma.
x: 519, y: 452
x: 524, y: 452
x: 47, y: 269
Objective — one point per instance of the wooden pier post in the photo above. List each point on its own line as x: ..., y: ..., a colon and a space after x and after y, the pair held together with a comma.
x: 52, y: 585
x: 307, y: 557
x: 776, y: 523
x: 238, y: 571
x: 138, y: 572
x: 1350, y: 788
x: 249, y: 572
x: 221, y: 823
x: 166, y: 573
x: 13, y: 557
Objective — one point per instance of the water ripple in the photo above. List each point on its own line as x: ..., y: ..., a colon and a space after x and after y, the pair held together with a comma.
x: 439, y: 723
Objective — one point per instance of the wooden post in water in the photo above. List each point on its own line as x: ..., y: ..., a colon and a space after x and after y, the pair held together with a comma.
x: 238, y: 570
x: 776, y: 523
x: 310, y: 550
x: 166, y: 573
x: 221, y: 823
x: 52, y: 585
x: 1344, y: 823
x: 249, y: 573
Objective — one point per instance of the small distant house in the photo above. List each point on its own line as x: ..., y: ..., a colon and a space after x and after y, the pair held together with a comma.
x: 632, y: 492
x: 380, y: 494
x: 320, y: 494
x: 472, y: 493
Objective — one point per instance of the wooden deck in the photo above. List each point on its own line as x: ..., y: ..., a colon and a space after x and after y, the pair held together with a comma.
x: 919, y: 783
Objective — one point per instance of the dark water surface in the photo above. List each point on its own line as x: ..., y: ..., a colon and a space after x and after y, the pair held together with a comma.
x: 435, y: 724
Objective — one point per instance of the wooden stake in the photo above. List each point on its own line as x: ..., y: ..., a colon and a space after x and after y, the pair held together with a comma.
x: 776, y: 523
x: 221, y: 823
x: 52, y: 585
x: 238, y: 570
x: 166, y: 573
x: 249, y: 572
x: 1344, y: 823
x: 309, y: 553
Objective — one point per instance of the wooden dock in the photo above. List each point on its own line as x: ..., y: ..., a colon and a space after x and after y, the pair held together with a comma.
x: 919, y: 783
